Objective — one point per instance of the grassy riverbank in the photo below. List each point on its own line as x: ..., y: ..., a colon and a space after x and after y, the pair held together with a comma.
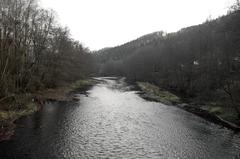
x: 15, y: 107
x: 216, y: 112
x: 12, y: 109
x: 155, y: 93
x: 63, y: 93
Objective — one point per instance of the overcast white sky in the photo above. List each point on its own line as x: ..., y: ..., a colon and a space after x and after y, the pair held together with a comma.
x: 105, y: 23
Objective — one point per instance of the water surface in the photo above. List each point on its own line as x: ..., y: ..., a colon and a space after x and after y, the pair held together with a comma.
x: 114, y: 122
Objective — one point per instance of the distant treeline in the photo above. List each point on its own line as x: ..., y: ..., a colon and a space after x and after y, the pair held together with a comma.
x: 35, y: 52
x: 201, y: 61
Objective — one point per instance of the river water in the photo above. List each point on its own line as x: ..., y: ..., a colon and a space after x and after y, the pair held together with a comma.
x: 112, y: 121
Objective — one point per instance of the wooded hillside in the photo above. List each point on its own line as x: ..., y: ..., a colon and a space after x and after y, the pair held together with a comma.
x: 201, y: 61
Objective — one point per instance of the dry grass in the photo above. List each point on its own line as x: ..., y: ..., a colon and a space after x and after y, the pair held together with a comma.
x: 155, y: 93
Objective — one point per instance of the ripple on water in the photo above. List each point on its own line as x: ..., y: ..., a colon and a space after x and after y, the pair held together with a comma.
x: 114, y: 122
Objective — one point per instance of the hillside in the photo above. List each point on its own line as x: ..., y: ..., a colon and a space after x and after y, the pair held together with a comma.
x: 200, y: 62
x: 118, y: 52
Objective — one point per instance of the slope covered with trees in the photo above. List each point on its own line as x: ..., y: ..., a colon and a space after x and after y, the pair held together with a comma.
x: 35, y: 51
x: 200, y: 62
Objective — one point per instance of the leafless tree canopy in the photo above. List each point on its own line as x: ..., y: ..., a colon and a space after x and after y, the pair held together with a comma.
x: 35, y: 51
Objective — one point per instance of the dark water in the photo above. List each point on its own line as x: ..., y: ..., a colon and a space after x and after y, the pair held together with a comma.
x: 114, y: 122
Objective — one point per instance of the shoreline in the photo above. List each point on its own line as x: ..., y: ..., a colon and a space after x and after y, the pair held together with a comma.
x: 66, y: 94
x: 153, y: 93
x: 35, y: 101
x: 210, y: 117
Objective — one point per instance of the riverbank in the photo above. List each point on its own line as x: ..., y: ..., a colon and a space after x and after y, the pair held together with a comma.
x: 15, y: 107
x: 211, y: 111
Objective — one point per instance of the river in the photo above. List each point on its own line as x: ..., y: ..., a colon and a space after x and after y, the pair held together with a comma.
x: 113, y: 121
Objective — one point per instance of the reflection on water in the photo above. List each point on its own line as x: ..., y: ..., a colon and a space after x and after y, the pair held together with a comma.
x: 114, y: 122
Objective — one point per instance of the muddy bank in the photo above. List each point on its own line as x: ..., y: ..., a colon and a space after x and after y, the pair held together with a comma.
x: 209, y: 116
x: 8, y: 118
x: 27, y: 104
x: 114, y: 121
x: 153, y: 93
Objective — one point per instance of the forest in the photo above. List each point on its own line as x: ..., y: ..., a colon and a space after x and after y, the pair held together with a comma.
x: 200, y: 63
x: 35, y: 51
x: 162, y: 95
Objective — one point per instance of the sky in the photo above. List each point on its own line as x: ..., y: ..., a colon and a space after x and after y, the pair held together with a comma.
x: 107, y: 23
